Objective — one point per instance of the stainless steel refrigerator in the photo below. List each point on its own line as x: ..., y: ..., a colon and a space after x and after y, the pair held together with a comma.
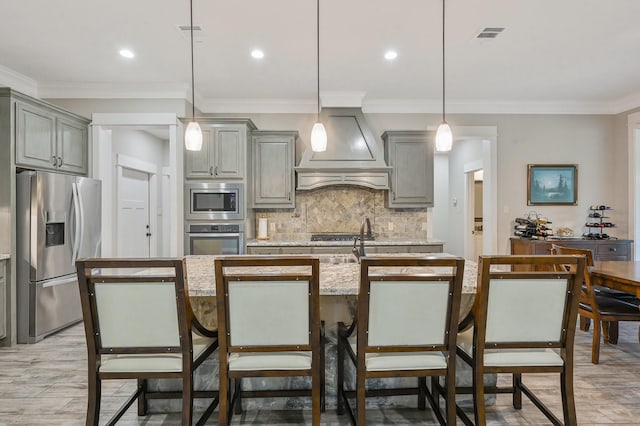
x: 58, y: 222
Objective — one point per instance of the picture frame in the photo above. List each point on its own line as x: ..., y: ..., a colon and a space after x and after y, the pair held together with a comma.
x: 552, y: 185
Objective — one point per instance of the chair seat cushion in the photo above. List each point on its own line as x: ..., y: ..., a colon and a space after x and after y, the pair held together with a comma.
x: 269, y: 361
x: 612, y: 306
x: 616, y: 294
x: 510, y: 357
x: 403, y: 360
x: 165, y: 363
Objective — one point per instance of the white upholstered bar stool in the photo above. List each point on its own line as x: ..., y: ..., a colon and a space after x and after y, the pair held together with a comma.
x: 139, y: 325
x: 269, y: 324
x: 524, y: 322
x: 406, y: 325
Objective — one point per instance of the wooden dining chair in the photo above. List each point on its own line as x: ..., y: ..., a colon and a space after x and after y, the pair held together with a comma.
x: 600, y: 307
x: 406, y: 325
x: 269, y: 324
x: 523, y: 322
x: 139, y: 325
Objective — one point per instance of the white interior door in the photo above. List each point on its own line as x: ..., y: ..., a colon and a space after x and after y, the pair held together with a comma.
x: 133, y: 234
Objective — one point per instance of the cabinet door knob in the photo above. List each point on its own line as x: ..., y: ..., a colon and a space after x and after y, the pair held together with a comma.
x: 211, y: 170
x: 612, y: 249
x: 59, y: 161
x: 54, y: 161
x: 215, y: 171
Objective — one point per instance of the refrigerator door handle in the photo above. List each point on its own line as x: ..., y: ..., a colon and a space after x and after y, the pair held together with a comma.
x: 58, y: 281
x: 78, y: 213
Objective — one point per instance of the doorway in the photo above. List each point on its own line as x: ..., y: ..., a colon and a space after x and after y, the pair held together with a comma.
x: 475, y: 213
x: 107, y: 135
x: 133, y: 222
x: 634, y: 181
x: 136, y: 207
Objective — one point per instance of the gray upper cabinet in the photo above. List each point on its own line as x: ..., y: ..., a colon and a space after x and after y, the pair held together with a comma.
x: 198, y: 163
x: 410, y: 154
x: 223, y: 154
x: 47, y: 139
x: 72, y: 145
x: 273, y: 172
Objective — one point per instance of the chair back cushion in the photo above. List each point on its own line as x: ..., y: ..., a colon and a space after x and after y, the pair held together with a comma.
x: 268, y: 313
x: 408, y: 312
x: 137, y: 314
x: 530, y: 310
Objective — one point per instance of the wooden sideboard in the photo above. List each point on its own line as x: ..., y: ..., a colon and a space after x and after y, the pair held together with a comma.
x: 602, y: 249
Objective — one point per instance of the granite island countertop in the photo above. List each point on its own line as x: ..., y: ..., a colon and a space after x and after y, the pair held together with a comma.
x: 339, y: 274
x: 377, y: 242
x: 4, y: 256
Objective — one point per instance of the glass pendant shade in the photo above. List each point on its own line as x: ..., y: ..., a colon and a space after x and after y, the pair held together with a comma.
x: 193, y: 137
x: 444, y: 137
x: 318, y: 138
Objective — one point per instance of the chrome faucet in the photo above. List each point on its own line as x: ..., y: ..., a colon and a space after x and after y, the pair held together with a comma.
x: 358, y: 253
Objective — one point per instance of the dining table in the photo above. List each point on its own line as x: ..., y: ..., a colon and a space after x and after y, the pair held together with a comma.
x: 618, y: 275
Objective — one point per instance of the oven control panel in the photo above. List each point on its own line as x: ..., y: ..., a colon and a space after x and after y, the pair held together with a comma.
x: 213, y: 228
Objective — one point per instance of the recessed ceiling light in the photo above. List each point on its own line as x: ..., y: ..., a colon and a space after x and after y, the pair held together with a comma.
x: 257, y: 54
x: 390, y: 55
x: 126, y: 53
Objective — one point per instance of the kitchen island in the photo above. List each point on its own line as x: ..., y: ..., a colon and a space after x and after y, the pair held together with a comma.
x: 339, y: 285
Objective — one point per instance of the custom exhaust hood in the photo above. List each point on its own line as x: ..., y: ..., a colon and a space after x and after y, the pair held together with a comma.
x: 354, y: 156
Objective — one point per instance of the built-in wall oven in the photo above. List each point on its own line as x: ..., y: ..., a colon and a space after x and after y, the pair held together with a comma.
x: 213, y: 238
x: 213, y: 201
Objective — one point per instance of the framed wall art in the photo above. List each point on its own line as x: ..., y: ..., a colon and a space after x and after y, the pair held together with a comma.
x: 552, y: 184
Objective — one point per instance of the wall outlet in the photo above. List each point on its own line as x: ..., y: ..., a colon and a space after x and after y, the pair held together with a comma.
x: 390, y: 226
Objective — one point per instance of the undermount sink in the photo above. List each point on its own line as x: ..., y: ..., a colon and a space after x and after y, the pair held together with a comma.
x: 339, y: 259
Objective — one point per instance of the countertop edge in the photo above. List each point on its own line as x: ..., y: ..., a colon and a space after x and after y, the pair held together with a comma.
x: 4, y: 256
x: 301, y: 243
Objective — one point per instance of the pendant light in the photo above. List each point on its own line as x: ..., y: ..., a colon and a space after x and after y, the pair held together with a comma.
x: 444, y: 137
x: 193, y: 133
x: 318, y: 133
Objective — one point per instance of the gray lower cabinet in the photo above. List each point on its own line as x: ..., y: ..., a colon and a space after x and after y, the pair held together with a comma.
x: 3, y: 299
x: 273, y: 172
x: 223, y: 154
x: 410, y: 155
x: 49, y: 139
x: 345, y: 249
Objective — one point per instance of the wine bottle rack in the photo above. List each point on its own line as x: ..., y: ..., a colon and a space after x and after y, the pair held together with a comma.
x: 597, y: 222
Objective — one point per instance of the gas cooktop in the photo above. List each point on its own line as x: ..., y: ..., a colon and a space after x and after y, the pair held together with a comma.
x: 338, y: 237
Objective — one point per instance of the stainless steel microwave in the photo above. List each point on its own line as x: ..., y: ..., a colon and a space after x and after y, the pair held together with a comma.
x: 214, y: 201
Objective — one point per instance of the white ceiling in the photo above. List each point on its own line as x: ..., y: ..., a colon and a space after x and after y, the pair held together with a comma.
x: 554, y: 56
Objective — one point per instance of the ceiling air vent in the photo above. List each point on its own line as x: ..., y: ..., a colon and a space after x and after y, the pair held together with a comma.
x: 198, y: 34
x: 490, y: 32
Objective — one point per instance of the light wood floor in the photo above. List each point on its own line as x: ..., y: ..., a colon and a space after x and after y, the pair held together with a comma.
x: 45, y: 384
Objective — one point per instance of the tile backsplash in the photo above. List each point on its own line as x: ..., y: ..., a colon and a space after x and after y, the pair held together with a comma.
x: 340, y: 210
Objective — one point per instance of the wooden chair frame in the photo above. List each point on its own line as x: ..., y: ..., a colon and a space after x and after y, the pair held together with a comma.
x: 230, y: 401
x: 361, y: 325
x: 92, y: 271
x: 605, y: 311
x: 564, y: 344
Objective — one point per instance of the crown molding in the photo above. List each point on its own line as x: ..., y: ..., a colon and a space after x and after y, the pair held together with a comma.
x: 627, y: 103
x: 266, y: 106
x: 402, y: 106
x: 17, y: 81
x: 60, y: 90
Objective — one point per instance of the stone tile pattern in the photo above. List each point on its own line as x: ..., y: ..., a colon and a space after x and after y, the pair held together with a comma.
x: 340, y: 210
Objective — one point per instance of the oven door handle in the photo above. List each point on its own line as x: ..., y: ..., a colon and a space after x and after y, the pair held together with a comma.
x: 208, y: 234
